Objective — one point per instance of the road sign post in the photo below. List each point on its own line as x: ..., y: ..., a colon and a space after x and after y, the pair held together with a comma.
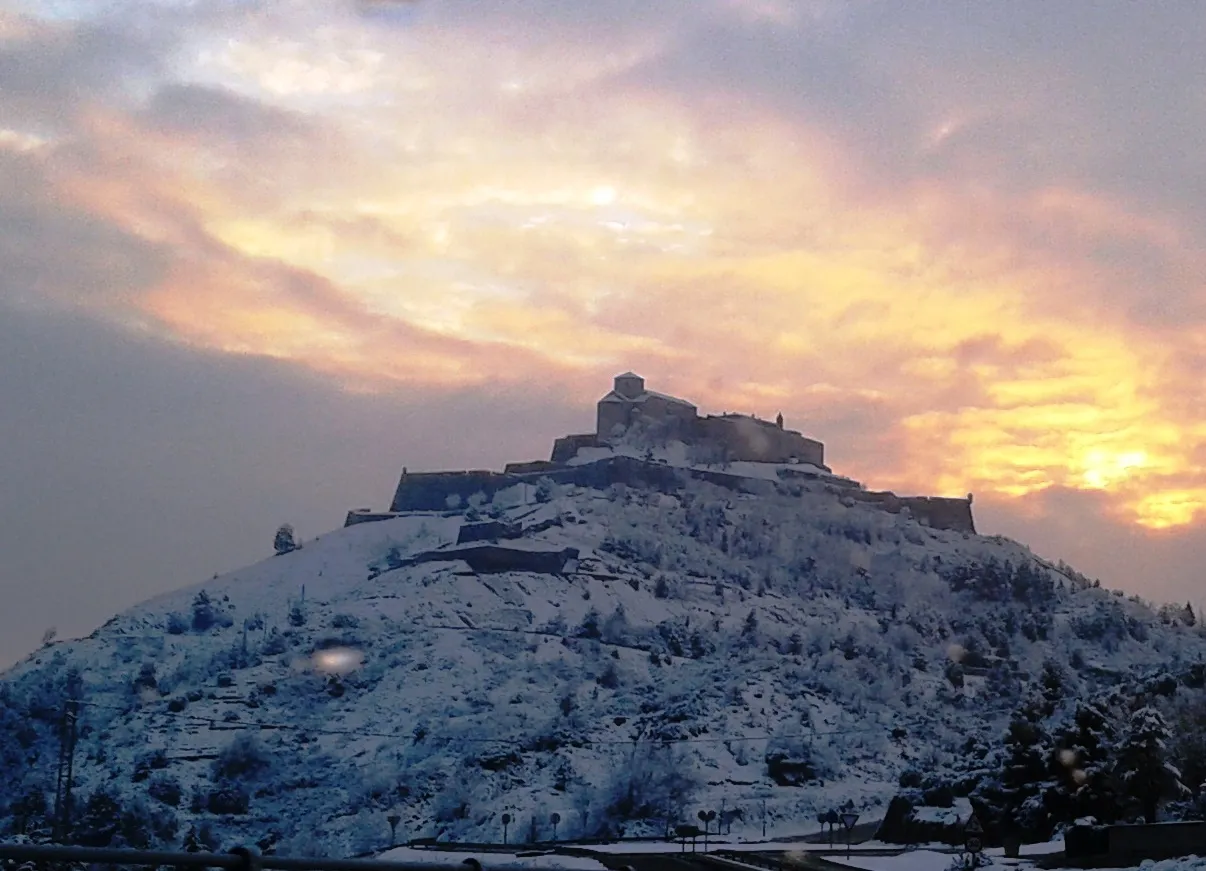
x: 848, y: 821
x: 685, y: 832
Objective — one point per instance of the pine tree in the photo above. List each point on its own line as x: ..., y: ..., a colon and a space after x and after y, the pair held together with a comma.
x: 100, y: 820
x: 285, y: 542
x: 1013, y: 798
x: 1053, y: 686
x: 203, y: 612
x: 1082, y: 763
x: 1026, y: 776
x: 1143, y: 768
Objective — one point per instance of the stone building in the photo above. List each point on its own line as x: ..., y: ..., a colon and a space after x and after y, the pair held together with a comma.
x: 736, y: 437
x: 630, y: 401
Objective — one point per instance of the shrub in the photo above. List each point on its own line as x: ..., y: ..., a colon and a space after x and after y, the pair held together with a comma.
x: 590, y: 625
x: 203, y: 612
x: 274, y: 644
x: 146, y: 679
x: 228, y: 798
x: 166, y: 789
x: 153, y: 760
x: 656, y: 784
x: 243, y: 758
x: 176, y: 623
x: 610, y: 678
x: 792, y: 762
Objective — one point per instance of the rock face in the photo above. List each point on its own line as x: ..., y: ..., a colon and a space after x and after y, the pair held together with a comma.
x: 718, y: 639
x: 495, y: 558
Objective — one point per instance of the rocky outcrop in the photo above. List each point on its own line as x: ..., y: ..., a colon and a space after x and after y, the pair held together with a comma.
x: 488, y: 530
x: 494, y: 558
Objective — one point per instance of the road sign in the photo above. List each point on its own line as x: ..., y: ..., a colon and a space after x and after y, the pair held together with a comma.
x: 974, y: 845
x: 848, y: 820
x: 973, y: 826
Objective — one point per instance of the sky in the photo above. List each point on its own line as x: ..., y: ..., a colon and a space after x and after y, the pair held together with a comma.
x: 257, y: 256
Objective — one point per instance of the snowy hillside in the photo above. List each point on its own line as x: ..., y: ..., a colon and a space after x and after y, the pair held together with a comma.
x: 774, y: 654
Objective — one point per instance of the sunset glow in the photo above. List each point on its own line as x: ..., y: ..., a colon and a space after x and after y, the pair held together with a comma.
x: 449, y: 202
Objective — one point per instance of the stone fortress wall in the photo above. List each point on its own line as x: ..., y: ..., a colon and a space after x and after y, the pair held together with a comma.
x: 734, y: 437
x: 444, y: 491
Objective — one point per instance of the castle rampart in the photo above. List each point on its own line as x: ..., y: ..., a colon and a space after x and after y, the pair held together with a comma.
x: 935, y: 511
x: 758, y: 441
x: 735, y: 437
x: 434, y: 491
x: 567, y: 447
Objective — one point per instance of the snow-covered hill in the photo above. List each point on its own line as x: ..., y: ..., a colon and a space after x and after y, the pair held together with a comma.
x: 775, y: 655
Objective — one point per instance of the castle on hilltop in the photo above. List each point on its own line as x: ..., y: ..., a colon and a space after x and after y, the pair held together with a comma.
x: 735, y: 437
x: 631, y: 416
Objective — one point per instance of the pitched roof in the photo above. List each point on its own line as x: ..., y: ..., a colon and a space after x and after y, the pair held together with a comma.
x: 650, y: 394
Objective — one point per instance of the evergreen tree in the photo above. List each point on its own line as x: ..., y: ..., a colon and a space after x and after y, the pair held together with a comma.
x: 203, y: 612
x: 284, y: 542
x: 1014, y: 797
x: 1082, y: 764
x: 101, y: 819
x: 192, y: 844
x: 1146, y: 775
x: 589, y: 627
x: 1053, y: 686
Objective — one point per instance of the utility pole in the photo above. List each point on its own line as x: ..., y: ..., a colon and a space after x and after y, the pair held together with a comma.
x: 66, y: 774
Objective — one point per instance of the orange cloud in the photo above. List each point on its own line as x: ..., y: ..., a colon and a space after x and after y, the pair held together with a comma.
x: 457, y: 213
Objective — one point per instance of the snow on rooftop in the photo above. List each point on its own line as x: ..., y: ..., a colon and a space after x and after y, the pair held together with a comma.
x: 651, y: 394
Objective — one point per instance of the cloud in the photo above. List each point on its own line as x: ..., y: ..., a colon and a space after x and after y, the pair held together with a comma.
x: 963, y: 251
x: 133, y: 465
x: 50, y: 251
